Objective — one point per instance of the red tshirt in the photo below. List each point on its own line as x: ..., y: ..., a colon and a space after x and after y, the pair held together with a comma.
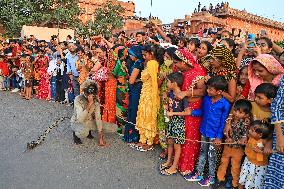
x: 4, y: 68
x: 15, y: 52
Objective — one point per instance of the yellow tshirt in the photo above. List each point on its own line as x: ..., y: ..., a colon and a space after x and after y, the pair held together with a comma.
x: 259, y: 159
x: 258, y: 113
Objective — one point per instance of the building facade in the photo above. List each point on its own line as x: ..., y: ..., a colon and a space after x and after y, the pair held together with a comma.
x: 237, y: 21
x: 89, y: 6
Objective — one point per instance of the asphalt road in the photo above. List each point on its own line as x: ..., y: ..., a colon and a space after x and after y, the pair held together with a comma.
x: 59, y: 164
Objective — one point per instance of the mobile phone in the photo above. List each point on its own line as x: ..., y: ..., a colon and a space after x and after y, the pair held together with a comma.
x: 251, y: 40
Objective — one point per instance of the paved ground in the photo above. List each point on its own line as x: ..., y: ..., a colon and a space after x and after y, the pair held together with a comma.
x: 59, y: 164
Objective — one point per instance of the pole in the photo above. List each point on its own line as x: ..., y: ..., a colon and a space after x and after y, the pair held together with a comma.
x: 151, y: 9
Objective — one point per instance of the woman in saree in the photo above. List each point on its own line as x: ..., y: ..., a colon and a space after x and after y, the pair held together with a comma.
x: 44, y: 91
x: 202, y: 54
x: 149, y: 102
x: 120, y: 72
x: 194, y: 88
x: 131, y: 135
x: 165, y: 69
x: 263, y: 69
x: 275, y: 174
x: 109, y: 112
x: 223, y: 64
x: 100, y: 61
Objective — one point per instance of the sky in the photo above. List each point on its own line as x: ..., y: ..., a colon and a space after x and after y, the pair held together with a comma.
x: 168, y: 10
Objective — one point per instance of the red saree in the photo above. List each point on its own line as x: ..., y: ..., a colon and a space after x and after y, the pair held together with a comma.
x: 190, y: 150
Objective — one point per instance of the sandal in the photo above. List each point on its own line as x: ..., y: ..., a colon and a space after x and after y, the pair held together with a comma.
x: 141, y: 149
x: 165, y: 172
x: 132, y: 145
x: 162, y: 167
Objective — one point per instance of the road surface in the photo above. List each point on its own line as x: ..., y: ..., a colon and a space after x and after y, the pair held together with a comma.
x: 59, y: 164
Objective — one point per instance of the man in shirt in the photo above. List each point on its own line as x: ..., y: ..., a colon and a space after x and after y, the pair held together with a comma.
x: 71, y: 59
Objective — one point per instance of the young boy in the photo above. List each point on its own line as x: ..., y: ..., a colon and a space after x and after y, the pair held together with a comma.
x: 264, y: 95
x: 176, y: 111
x: 4, y: 73
x: 239, y: 122
x: 215, y: 110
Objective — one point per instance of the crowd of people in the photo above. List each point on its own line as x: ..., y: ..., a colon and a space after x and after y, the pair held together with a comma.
x: 218, y: 8
x: 214, y: 107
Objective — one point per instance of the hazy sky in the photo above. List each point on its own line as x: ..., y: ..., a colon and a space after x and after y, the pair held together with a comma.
x: 167, y: 10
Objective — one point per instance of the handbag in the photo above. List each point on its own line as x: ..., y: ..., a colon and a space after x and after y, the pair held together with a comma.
x: 101, y: 74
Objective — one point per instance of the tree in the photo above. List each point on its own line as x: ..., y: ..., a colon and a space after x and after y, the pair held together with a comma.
x: 281, y: 44
x: 16, y: 13
x: 13, y: 15
x: 106, y: 19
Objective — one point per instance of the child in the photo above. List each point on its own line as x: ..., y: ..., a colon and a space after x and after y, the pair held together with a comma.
x: 81, y: 65
x: 36, y: 79
x: 255, y: 164
x: 28, y: 73
x: 176, y: 110
x: 4, y: 73
x: 215, y: 110
x: 192, y: 46
x: 264, y: 95
x: 242, y: 80
x: 239, y: 122
x: 70, y: 93
x: 52, y: 71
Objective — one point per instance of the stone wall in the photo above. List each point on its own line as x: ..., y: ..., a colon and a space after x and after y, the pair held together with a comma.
x: 44, y: 33
x: 253, y: 27
x: 234, y: 19
x: 89, y: 7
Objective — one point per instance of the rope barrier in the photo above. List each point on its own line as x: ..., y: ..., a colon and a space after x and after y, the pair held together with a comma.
x: 199, y: 141
x: 42, y: 137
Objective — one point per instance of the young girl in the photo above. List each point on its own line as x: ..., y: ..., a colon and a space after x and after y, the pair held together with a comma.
x: 36, y: 78
x: 177, y: 109
x: 242, y: 80
x: 239, y: 122
x: 81, y: 67
x: 70, y: 93
x: 165, y: 69
x: 255, y: 164
x: 192, y: 46
x: 149, y: 102
x: 27, y: 72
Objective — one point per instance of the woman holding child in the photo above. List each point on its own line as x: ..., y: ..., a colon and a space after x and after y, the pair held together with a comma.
x: 194, y: 88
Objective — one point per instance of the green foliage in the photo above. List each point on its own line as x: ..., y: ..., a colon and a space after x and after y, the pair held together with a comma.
x: 281, y: 44
x: 106, y: 19
x: 16, y: 13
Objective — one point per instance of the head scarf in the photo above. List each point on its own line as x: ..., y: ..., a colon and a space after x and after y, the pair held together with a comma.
x: 120, y: 52
x: 205, y: 62
x: 273, y: 67
x: 136, y: 51
x: 120, y: 70
x: 186, y: 57
x: 228, y: 62
x: 193, y: 75
x: 245, y: 62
